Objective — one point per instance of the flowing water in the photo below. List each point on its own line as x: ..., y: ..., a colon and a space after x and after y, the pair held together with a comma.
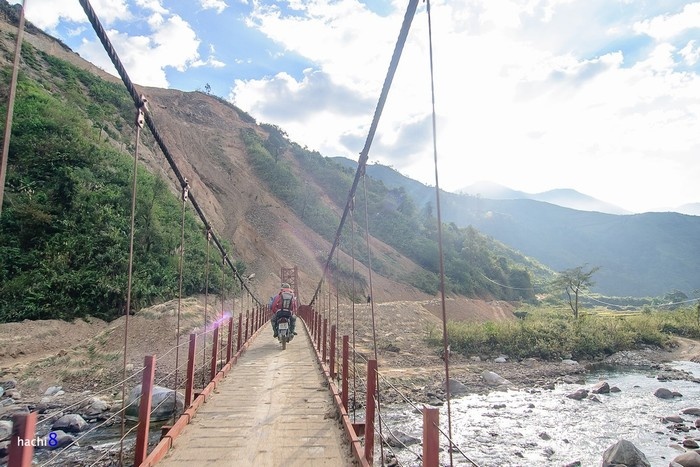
x: 545, y: 428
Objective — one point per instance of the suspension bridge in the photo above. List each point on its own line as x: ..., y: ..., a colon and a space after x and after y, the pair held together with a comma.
x: 246, y: 401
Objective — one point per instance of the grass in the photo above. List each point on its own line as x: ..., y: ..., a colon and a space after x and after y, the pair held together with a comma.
x: 553, y: 333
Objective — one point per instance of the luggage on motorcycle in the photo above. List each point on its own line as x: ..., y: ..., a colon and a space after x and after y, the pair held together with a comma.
x: 287, y: 298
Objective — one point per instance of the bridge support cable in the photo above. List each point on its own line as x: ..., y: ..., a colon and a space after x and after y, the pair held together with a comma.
x: 352, y: 302
x: 181, y: 261
x: 337, y: 304
x: 206, y: 303
x: 106, y: 43
x: 445, y: 340
x: 138, y: 122
x: 223, y: 303
x: 11, y: 103
x: 374, y: 375
x: 364, y: 155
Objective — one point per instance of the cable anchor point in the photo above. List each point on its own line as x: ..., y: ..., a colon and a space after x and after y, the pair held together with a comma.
x: 141, y: 110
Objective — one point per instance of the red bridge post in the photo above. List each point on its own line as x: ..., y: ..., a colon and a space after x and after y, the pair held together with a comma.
x: 240, y: 330
x: 214, y: 353
x: 325, y: 340
x: 229, y: 340
x: 23, y: 428
x: 247, y: 322
x: 318, y: 333
x: 370, y: 409
x: 346, y: 358
x: 190, y: 370
x: 149, y: 370
x: 431, y: 438
x: 332, y: 363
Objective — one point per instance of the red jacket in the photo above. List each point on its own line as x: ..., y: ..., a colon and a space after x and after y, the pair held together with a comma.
x: 277, y: 302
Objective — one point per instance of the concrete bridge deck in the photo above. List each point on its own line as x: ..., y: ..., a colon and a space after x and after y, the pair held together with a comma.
x: 273, y: 409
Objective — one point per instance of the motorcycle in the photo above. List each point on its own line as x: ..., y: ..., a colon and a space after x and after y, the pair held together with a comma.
x: 284, y: 333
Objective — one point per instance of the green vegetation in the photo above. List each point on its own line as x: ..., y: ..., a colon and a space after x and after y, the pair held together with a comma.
x: 553, y: 333
x: 64, y: 230
x: 474, y: 265
x: 575, y: 282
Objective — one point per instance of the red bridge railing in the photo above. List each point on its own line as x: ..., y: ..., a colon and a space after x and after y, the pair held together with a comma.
x: 21, y: 453
x: 360, y: 434
x: 363, y: 452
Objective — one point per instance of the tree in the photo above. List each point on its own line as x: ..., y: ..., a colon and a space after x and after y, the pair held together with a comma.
x: 574, y: 282
x: 207, y: 88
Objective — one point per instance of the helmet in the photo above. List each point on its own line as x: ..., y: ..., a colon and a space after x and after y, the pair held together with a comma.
x: 285, y: 285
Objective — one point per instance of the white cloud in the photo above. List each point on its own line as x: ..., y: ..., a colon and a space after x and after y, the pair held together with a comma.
x: 152, y: 5
x: 668, y: 26
x: 690, y: 53
x: 513, y: 106
x: 218, y: 5
x: 173, y: 44
x: 46, y: 14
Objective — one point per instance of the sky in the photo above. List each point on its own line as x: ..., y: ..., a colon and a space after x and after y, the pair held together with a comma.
x: 601, y: 96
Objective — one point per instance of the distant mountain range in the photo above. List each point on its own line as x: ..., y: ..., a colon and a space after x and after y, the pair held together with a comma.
x: 564, y: 197
x: 639, y: 255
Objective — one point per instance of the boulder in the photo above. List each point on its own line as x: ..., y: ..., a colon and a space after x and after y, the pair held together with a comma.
x: 57, y: 439
x: 5, y: 429
x: 163, y: 403
x: 601, y: 388
x: 663, y: 393
x: 578, y: 395
x: 494, y: 379
x: 691, y: 411
x: 672, y: 419
x: 94, y: 408
x: 399, y: 439
x: 624, y: 454
x: 688, y: 459
x: 52, y: 390
x: 72, y: 423
x: 690, y: 443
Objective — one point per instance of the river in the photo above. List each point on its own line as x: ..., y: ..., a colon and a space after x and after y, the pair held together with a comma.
x: 523, y: 428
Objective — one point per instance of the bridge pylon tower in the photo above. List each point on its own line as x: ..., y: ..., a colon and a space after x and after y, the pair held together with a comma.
x: 291, y: 277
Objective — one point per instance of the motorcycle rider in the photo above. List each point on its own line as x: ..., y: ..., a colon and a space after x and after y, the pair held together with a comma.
x: 284, y: 303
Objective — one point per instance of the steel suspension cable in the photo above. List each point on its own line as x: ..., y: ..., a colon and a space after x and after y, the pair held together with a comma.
x: 364, y: 154
x: 354, y: 292
x: 374, y: 321
x: 445, y: 352
x: 185, y: 195
x: 223, y: 302
x: 206, y: 303
x: 337, y: 311
x: 11, y: 103
x: 106, y: 43
x: 134, y: 186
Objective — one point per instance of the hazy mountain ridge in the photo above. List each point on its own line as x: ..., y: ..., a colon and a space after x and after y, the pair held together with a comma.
x: 645, y: 254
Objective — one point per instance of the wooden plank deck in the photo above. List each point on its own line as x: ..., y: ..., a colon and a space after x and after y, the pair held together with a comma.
x: 273, y: 409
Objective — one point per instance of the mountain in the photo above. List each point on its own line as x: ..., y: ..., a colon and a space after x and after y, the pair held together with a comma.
x: 565, y: 197
x: 692, y: 209
x: 274, y: 203
x: 639, y: 255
